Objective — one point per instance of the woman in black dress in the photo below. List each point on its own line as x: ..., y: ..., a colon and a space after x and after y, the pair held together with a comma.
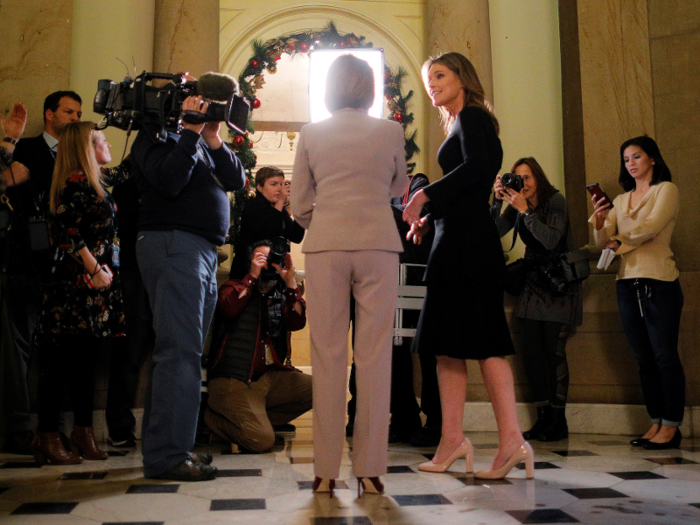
x: 462, y: 316
x: 82, y: 303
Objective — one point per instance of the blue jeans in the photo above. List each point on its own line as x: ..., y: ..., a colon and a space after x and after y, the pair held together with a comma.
x: 650, y: 311
x: 179, y: 273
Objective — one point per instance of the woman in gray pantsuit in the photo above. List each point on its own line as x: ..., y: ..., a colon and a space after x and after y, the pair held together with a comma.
x: 346, y: 169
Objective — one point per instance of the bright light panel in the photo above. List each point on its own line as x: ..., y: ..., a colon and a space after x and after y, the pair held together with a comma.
x: 321, y: 60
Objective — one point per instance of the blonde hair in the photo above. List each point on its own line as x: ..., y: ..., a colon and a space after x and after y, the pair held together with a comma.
x: 349, y: 84
x: 76, y: 153
x: 473, y: 90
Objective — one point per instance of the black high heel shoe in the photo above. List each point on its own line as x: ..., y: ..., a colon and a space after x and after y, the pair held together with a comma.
x: 674, y: 442
x: 323, y: 485
x: 369, y: 486
x: 639, y: 442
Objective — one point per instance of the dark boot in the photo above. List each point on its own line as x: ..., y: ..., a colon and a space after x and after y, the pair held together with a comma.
x: 544, y: 418
x: 48, y: 448
x: 557, y: 428
x: 83, y: 439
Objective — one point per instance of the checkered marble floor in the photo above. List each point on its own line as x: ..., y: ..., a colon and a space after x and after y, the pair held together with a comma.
x: 585, y: 479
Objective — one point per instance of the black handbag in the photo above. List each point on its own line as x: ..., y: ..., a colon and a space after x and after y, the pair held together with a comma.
x: 516, y: 275
x: 565, y: 269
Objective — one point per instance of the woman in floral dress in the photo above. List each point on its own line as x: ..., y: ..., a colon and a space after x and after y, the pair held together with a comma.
x: 82, y: 300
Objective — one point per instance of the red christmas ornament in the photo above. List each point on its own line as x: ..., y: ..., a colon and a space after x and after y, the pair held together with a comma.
x: 342, y: 44
x: 389, y: 97
x: 254, y: 64
x: 398, y: 117
x: 256, y: 103
x: 291, y: 47
x: 250, y: 144
x: 247, y: 183
x: 304, y: 47
x: 238, y: 141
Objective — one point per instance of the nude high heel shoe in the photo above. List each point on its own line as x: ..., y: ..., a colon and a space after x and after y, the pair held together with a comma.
x: 323, y: 485
x: 524, y: 453
x: 464, y: 450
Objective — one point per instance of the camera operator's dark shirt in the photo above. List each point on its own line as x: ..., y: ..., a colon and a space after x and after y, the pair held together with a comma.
x: 183, y: 184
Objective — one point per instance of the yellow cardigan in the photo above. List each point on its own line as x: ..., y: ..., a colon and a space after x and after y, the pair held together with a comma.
x: 645, y: 233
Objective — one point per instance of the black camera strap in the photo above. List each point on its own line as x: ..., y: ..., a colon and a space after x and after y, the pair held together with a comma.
x: 516, y: 227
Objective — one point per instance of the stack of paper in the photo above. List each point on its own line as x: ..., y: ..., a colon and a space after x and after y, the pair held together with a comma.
x: 606, y: 258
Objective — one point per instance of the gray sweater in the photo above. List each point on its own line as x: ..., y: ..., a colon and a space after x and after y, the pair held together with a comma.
x: 545, y: 232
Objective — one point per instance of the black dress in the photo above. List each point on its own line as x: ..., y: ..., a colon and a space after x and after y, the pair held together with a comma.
x: 463, y: 315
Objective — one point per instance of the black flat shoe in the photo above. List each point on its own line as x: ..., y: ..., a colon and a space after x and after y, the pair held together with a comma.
x: 639, y: 442
x: 675, y: 442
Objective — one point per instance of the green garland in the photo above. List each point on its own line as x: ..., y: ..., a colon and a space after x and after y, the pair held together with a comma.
x: 264, y: 59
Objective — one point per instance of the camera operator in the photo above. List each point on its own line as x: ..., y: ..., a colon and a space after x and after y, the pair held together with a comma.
x: 183, y: 217
x: 265, y: 217
x: 539, y: 215
x: 250, y: 387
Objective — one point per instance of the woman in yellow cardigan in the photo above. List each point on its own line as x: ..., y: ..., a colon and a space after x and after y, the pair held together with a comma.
x: 638, y: 227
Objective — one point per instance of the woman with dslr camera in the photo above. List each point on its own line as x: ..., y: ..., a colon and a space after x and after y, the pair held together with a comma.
x: 82, y: 303
x: 539, y: 215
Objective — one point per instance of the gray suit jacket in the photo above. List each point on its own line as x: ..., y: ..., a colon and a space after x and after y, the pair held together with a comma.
x: 346, y: 170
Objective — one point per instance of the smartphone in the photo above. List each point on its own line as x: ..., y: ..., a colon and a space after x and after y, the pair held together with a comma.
x: 595, y: 190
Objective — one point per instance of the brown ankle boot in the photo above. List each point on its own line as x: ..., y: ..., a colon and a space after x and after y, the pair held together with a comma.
x: 47, y: 448
x: 83, y: 439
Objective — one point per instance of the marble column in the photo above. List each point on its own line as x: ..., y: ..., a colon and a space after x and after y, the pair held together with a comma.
x: 186, y: 36
x: 35, y: 37
x: 462, y: 26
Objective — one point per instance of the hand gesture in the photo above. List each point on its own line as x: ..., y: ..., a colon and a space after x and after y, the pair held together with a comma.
x: 612, y: 245
x: 515, y: 199
x: 419, y: 229
x: 257, y: 265
x: 194, y: 104
x: 14, y: 127
x: 601, y: 208
x: 210, y: 134
x: 414, y: 207
x: 498, y: 189
x: 101, y: 280
x: 287, y: 273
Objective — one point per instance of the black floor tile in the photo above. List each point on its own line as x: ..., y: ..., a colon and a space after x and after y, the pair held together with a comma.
x: 485, y: 446
x: 695, y: 505
x: 134, y: 523
x: 299, y: 461
x: 308, y: 485
x: 84, y: 475
x: 671, y: 461
x: 608, y: 443
x: 596, y: 493
x: 226, y: 452
x: 239, y: 473
x: 44, y: 508
x: 353, y: 520
x: 400, y: 470
x: 542, y: 516
x: 471, y: 481
x: 429, y: 456
x: 539, y: 465
x: 422, y: 499
x: 117, y: 453
x: 237, y: 504
x: 644, y: 474
x: 153, y: 489
x: 574, y: 453
x: 20, y: 464
x: 4, y: 489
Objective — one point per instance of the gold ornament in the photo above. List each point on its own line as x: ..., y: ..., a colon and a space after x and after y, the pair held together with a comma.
x: 272, y: 69
x: 258, y: 81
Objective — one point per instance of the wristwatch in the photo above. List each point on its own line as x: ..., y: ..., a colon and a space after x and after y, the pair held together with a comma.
x: 10, y: 140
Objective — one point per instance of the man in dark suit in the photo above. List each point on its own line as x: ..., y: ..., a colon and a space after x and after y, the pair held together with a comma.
x: 29, y: 197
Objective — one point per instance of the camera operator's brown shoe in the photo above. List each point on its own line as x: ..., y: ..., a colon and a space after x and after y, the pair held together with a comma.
x: 188, y: 470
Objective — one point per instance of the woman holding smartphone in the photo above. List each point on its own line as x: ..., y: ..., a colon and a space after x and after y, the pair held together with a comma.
x: 82, y: 303
x: 649, y: 296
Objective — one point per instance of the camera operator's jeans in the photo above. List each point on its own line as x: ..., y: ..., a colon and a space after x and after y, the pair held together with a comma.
x: 179, y: 273
x: 650, y: 311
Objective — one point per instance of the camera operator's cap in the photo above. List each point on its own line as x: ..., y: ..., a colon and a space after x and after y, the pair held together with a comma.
x: 217, y: 86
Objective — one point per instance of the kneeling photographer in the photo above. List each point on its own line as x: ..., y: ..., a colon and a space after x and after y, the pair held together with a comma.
x: 183, y: 176
x: 251, y: 386
x: 547, y: 306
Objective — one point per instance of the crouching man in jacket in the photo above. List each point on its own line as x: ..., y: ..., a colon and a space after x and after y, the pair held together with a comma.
x: 250, y: 386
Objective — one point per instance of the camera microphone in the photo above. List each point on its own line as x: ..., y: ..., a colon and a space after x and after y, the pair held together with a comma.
x: 217, y: 86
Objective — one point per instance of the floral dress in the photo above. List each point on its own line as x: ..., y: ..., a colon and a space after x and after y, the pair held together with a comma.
x: 70, y: 306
